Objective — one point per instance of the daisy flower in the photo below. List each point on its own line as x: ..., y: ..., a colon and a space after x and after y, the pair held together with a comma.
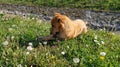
x: 29, y: 48
x: 19, y: 65
x: 30, y: 44
x: 10, y: 29
x: 102, y: 53
x: 76, y: 60
x: 63, y: 53
x: 27, y: 53
x: 45, y: 42
x: 102, y: 42
x: 5, y: 43
x: 95, y: 37
x: 12, y: 37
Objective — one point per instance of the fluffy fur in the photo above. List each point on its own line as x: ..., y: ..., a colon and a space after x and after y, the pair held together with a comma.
x: 65, y: 28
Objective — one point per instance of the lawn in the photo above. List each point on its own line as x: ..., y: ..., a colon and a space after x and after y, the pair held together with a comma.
x: 19, y: 46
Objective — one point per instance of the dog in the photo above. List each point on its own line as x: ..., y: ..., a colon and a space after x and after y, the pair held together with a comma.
x: 65, y: 28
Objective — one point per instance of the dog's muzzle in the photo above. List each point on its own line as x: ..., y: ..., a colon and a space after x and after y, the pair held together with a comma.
x: 55, y: 35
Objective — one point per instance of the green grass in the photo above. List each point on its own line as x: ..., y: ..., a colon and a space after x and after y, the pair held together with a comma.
x: 83, y: 47
x: 112, y: 5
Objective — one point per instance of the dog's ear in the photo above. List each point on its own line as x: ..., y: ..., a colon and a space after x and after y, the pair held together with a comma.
x: 58, y: 20
x: 57, y: 14
x: 58, y: 17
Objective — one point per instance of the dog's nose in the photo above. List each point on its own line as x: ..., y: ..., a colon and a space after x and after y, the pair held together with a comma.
x: 57, y: 32
x: 50, y: 32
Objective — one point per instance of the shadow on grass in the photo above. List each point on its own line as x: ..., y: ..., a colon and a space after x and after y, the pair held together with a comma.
x: 25, y: 39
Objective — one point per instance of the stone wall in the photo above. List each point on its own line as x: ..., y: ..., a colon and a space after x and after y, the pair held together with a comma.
x: 96, y: 19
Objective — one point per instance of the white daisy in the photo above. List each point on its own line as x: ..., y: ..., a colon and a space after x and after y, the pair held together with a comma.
x: 47, y: 53
x: 19, y: 65
x: 29, y: 48
x: 10, y: 29
x: 95, y: 41
x: 45, y: 42
x: 12, y: 37
x: 5, y: 43
x: 95, y: 37
x: 102, y: 53
x: 76, y: 60
x: 102, y: 42
x: 98, y: 43
x: 63, y: 53
x: 33, y: 18
x: 40, y: 43
x: 86, y: 45
x: 39, y: 21
x: 113, y: 33
x: 13, y: 25
x: 68, y: 47
x: 101, y: 29
x: 30, y: 44
x: 27, y: 53
x: 8, y: 37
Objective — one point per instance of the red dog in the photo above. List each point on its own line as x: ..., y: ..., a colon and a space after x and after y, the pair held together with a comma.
x: 65, y: 28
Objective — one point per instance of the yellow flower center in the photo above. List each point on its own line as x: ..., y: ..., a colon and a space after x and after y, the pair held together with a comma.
x: 102, y: 57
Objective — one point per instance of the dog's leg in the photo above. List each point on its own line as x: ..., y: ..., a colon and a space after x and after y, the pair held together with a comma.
x: 46, y: 38
x: 85, y: 30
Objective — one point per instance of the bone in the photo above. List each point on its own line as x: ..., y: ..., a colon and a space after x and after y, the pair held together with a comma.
x: 46, y: 38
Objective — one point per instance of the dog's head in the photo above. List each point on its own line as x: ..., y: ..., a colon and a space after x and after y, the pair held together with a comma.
x: 59, y: 24
x: 56, y: 24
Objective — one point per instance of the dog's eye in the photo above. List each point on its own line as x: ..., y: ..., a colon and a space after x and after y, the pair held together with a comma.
x: 52, y: 25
